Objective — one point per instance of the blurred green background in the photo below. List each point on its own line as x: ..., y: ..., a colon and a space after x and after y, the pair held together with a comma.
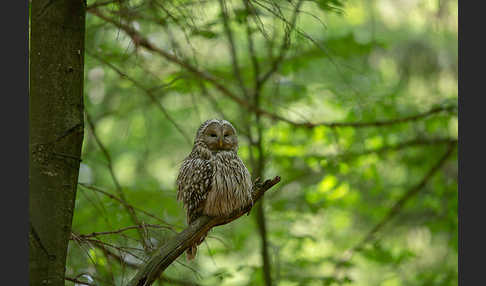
x: 357, y: 205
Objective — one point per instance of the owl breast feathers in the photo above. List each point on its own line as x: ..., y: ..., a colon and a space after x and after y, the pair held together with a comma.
x: 213, y: 180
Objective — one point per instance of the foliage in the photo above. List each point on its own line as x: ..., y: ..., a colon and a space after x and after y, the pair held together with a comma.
x: 347, y: 61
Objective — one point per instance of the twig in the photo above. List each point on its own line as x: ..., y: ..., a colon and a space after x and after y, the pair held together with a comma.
x: 399, y: 146
x: 384, y: 149
x: 234, y: 57
x: 251, y: 45
x: 118, y: 188
x: 397, y: 207
x: 284, y: 47
x: 139, y: 40
x: 166, y: 254
x: 143, y: 42
x: 94, y: 234
x: 148, y: 92
x: 132, y: 265
x: 359, y: 124
x: 92, y: 188
x: 102, y: 243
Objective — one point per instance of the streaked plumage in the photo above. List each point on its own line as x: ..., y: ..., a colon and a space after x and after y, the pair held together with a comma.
x: 212, y: 179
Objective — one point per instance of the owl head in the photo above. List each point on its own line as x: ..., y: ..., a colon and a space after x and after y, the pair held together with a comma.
x: 218, y: 135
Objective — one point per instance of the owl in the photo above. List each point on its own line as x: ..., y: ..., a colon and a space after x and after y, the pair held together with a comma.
x: 213, y: 180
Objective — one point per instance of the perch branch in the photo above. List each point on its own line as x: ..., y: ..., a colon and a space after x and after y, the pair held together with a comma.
x: 166, y: 254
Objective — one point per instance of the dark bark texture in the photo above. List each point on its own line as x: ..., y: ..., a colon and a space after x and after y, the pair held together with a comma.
x: 56, y: 132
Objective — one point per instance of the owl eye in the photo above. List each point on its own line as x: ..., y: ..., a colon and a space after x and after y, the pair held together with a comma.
x: 226, y: 135
x: 213, y: 135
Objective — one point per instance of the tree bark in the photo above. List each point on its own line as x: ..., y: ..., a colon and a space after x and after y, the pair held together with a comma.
x: 56, y: 129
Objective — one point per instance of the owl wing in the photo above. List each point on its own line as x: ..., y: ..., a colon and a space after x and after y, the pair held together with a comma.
x: 193, y: 184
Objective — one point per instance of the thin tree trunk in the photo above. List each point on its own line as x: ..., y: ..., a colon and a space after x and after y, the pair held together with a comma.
x: 260, y: 214
x: 56, y: 132
x: 262, y: 229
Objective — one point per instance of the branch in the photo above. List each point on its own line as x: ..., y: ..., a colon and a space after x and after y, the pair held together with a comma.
x: 92, y: 188
x: 358, y: 124
x: 166, y: 254
x: 384, y: 149
x: 94, y: 234
x: 285, y: 45
x: 148, y: 92
x: 234, y: 57
x: 118, y: 187
x: 122, y: 261
x: 385, y: 122
x: 399, y: 146
x: 251, y: 45
x: 397, y: 207
x: 141, y: 41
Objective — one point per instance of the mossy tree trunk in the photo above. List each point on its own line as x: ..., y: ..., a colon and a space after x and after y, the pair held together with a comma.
x: 56, y: 132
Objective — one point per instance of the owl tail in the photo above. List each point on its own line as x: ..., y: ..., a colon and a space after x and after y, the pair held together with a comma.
x: 192, y: 250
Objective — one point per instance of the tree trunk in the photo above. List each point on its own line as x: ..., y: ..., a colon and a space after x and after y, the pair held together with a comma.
x: 262, y: 230
x: 56, y: 132
x: 259, y: 165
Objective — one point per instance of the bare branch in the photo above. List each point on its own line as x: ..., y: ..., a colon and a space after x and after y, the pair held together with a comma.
x: 383, y: 149
x: 92, y: 241
x: 380, y: 123
x: 359, y: 124
x: 166, y: 254
x: 133, y: 265
x: 148, y: 91
x: 92, y: 188
x: 399, y: 146
x: 284, y: 46
x: 251, y: 45
x: 143, y: 42
x: 118, y: 187
x: 234, y: 57
x: 397, y: 207
x: 139, y: 40
x: 94, y: 234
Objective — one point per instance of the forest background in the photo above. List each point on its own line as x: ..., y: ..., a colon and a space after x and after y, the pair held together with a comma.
x: 352, y: 103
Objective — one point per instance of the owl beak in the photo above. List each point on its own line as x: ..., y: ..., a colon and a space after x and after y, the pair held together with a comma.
x: 220, y: 143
